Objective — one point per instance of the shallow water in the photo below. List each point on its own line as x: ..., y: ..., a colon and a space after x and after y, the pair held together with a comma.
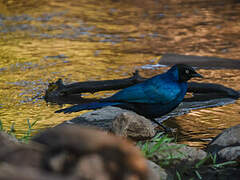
x: 41, y: 41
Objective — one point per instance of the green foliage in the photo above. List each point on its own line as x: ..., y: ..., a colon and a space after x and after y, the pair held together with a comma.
x: 222, y: 165
x: 160, y: 144
x: 1, y: 126
x: 154, y: 145
x: 213, y: 158
x: 11, y: 131
x: 178, y: 175
x: 201, y: 162
x: 198, y: 174
x: 26, y: 135
x: 210, y: 161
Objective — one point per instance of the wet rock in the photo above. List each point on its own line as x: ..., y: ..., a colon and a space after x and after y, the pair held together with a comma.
x: 72, y: 150
x: 229, y: 137
x: 101, y: 118
x: 134, y: 126
x: 230, y: 154
x: 156, y: 172
x: 226, y: 144
x: 182, y: 156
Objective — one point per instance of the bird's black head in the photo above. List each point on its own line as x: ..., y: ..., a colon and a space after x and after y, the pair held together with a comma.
x: 186, y: 72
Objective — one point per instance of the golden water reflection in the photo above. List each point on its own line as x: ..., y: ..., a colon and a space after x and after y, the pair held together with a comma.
x: 41, y: 41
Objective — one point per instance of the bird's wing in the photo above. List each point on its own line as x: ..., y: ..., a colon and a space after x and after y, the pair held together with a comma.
x: 131, y: 94
x: 158, y: 89
x: 162, y: 89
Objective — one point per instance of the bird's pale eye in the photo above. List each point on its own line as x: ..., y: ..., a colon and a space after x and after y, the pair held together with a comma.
x: 187, y: 71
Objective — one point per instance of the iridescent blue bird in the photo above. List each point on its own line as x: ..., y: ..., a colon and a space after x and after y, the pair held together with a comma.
x: 152, y: 98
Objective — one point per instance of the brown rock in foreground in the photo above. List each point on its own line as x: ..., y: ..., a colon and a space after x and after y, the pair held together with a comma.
x: 7, y: 140
x: 88, y: 153
x: 23, y: 155
x: 19, y: 154
x: 11, y: 172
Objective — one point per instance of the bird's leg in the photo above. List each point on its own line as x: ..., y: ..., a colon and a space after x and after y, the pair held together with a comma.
x: 166, y: 129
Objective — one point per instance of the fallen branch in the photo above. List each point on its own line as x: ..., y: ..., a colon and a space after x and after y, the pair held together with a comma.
x: 59, y: 93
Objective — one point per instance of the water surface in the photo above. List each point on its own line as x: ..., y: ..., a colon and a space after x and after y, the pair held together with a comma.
x: 41, y: 41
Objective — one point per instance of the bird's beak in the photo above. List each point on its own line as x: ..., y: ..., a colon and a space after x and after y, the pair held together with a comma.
x: 197, y: 75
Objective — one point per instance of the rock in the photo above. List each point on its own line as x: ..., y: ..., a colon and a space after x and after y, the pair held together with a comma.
x: 8, y: 144
x: 229, y: 154
x: 134, y: 126
x: 229, y: 137
x: 19, y: 154
x: 72, y: 150
x: 119, y: 121
x: 181, y: 156
x: 6, y: 139
x: 101, y: 118
x: 21, y: 161
x: 23, y: 155
x: 155, y: 172
x: 92, y: 167
x: 226, y: 144
x: 207, y: 173
x: 11, y: 172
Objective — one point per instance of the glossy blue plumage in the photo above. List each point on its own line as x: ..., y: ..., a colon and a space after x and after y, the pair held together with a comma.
x: 152, y: 98
x: 161, y: 89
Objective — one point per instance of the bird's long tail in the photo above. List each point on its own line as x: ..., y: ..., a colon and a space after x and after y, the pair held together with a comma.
x: 87, y: 106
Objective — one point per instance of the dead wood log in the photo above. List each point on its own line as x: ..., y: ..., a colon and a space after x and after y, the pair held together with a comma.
x: 59, y: 93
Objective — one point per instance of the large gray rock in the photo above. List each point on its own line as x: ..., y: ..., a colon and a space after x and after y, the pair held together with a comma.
x: 229, y: 137
x: 229, y: 153
x: 119, y: 121
x: 134, y: 126
x: 101, y: 118
x: 226, y: 144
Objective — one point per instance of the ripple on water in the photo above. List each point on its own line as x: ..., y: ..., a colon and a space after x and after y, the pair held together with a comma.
x: 41, y: 41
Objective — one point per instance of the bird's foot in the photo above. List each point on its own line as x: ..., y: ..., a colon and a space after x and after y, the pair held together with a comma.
x: 166, y: 129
